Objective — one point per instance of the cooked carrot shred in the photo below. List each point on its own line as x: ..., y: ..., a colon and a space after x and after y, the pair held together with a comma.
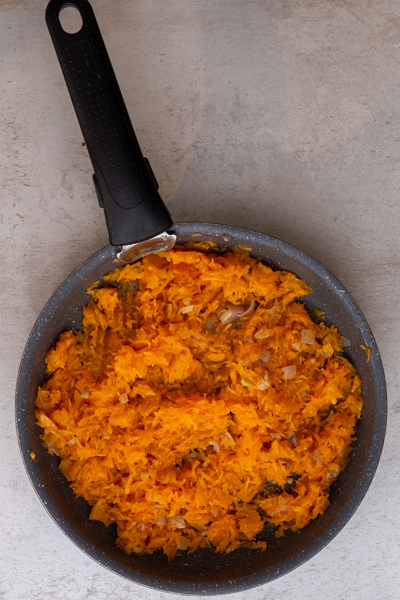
x: 368, y: 352
x: 186, y: 431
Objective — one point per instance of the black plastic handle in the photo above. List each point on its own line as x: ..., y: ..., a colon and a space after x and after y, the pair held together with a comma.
x: 124, y: 181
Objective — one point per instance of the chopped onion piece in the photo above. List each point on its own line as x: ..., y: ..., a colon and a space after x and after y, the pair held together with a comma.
x: 230, y: 314
x: 85, y: 393
x: 332, y: 475
x: 178, y: 521
x: 215, y: 445
x: 199, y: 527
x: 141, y: 527
x: 71, y: 442
x: 264, y: 383
x: 317, y: 458
x: 250, y: 309
x: 264, y: 356
x: 308, y: 336
x: 138, y: 549
x: 226, y: 316
x: 345, y: 341
x: 289, y: 372
x: 234, y: 311
x: 297, y: 346
x: 272, y: 310
x: 325, y: 504
x: 181, y: 546
x: 261, y: 334
x: 275, y: 436
x: 258, y: 363
x: 292, y: 437
x: 187, y: 309
x: 227, y: 435
x: 245, y: 361
x: 161, y: 520
x: 123, y: 398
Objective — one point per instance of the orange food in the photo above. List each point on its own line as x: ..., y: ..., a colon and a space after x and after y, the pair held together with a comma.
x: 199, y: 402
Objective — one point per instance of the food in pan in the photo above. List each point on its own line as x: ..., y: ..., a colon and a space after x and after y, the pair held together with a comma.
x: 199, y: 403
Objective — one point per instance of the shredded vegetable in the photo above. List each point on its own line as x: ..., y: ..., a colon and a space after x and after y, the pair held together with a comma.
x: 187, y: 429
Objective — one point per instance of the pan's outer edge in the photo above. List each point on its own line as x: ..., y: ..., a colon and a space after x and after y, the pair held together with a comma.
x: 230, y: 237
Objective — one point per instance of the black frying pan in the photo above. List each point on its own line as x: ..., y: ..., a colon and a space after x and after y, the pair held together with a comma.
x: 135, y: 212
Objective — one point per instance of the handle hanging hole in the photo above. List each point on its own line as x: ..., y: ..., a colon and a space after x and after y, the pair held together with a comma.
x: 70, y: 19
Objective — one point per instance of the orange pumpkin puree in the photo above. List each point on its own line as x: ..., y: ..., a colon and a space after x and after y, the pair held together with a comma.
x: 188, y: 425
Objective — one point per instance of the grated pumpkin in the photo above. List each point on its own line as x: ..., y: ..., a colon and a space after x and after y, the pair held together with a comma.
x: 199, y: 402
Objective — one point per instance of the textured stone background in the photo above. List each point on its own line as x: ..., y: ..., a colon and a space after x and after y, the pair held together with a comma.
x: 280, y: 116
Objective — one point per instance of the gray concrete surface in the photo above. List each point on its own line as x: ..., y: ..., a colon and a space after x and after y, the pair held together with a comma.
x: 280, y: 116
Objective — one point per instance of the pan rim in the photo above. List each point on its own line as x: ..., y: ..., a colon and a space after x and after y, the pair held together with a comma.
x: 187, y: 229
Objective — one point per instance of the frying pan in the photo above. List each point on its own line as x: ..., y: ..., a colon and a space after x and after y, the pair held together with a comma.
x: 135, y: 214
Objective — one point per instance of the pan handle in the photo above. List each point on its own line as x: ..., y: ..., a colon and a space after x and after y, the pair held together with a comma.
x: 124, y: 181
